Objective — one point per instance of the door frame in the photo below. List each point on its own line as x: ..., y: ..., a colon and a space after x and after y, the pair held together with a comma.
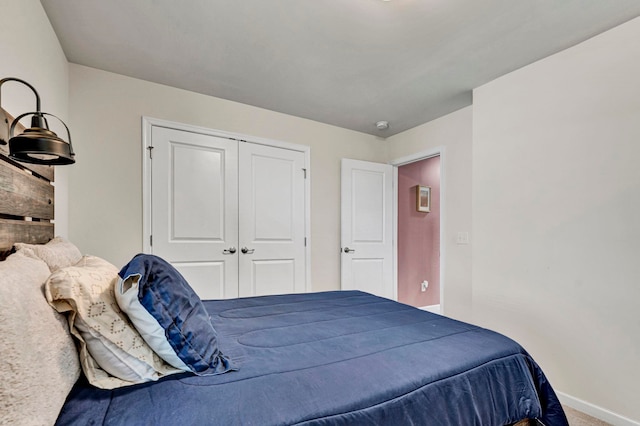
x: 149, y: 122
x: 402, y: 161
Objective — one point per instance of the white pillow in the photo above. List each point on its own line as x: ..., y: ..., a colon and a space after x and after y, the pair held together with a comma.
x: 39, y: 358
x: 112, y: 359
x: 57, y: 253
x: 112, y: 352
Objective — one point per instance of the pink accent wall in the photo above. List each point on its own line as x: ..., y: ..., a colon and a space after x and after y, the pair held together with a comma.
x: 418, y: 234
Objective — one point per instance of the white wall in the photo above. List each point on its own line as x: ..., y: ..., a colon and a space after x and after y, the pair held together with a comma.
x: 453, y: 132
x: 556, y: 215
x: 555, y: 189
x: 106, y: 182
x: 29, y: 50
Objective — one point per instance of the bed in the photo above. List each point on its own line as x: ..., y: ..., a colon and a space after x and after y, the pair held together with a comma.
x: 329, y: 358
x: 337, y: 358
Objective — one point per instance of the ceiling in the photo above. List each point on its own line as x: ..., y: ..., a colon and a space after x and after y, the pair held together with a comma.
x: 349, y: 63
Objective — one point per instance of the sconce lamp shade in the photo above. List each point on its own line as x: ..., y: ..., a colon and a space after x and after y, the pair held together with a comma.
x: 38, y: 144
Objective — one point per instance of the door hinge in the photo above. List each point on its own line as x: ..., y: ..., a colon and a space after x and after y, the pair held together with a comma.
x: 150, y: 240
x: 150, y: 149
x: 305, y: 241
x: 305, y: 173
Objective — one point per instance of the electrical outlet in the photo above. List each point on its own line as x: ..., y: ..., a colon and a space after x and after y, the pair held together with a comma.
x: 462, y: 238
x: 425, y: 285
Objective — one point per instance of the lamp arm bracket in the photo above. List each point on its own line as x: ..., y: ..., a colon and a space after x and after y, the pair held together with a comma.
x: 33, y: 89
x: 4, y: 123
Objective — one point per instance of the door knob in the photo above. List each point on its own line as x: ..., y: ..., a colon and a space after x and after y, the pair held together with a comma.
x: 245, y: 250
x: 348, y: 250
x: 230, y: 250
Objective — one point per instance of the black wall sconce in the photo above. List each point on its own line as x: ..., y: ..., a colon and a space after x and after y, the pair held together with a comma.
x: 37, y: 144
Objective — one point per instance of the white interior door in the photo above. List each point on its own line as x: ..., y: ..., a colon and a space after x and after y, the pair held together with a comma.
x: 367, y: 227
x: 194, y: 199
x: 272, y: 220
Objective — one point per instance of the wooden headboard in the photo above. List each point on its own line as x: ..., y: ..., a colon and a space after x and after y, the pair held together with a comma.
x: 26, y: 198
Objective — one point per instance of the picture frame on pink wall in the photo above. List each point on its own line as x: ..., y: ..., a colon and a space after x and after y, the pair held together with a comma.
x: 423, y: 198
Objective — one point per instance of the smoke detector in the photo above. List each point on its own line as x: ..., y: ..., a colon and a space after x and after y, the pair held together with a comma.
x: 382, y: 125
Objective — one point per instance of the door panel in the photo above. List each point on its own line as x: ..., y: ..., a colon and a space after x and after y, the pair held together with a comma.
x: 368, y: 209
x: 366, y: 227
x: 194, y: 195
x: 368, y: 275
x: 273, y: 277
x: 271, y: 220
x: 194, y: 215
x: 272, y: 189
x: 206, y: 278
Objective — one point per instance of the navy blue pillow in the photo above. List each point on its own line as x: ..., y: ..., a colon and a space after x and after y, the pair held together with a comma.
x: 165, y: 296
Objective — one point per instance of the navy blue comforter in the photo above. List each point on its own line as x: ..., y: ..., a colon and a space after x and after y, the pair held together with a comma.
x: 336, y: 358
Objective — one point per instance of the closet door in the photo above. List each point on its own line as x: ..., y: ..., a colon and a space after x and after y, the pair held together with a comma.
x: 271, y: 220
x: 194, y: 201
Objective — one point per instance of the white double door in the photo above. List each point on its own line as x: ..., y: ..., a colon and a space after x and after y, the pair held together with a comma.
x: 228, y: 215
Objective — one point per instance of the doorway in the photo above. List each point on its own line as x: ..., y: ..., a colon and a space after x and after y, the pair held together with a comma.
x: 418, y: 233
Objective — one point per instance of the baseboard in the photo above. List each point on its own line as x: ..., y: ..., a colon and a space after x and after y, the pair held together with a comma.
x: 431, y: 308
x: 595, y: 411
